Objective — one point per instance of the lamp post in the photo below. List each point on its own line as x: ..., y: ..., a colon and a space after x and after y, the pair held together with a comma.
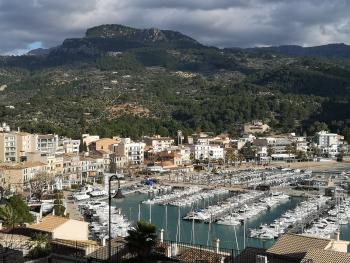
x: 118, y: 195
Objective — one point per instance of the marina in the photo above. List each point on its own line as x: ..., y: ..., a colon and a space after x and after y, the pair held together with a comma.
x: 251, y: 178
x: 168, y: 198
x: 291, y: 219
x: 199, y: 215
x: 215, y: 212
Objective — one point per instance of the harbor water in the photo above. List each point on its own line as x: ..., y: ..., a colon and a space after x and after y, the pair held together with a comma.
x: 167, y: 218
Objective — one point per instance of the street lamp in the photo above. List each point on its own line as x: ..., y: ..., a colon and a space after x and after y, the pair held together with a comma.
x: 118, y: 195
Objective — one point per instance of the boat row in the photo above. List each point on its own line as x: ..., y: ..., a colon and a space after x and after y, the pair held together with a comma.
x: 214, y: 212
x: 247, y: 212
x: 175, y: 195
x: 330, y: 223
x: 88, y: 192
x: 96, y: 213
x: 198, y: 197
x: 292, y: 217
x: 253, y: 178
x: 156, y: 189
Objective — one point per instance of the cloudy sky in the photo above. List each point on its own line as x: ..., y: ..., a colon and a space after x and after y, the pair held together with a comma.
x: 27, y: 24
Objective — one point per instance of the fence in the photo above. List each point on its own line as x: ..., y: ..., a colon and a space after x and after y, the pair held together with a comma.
x: 195, y: 253
x: 82, y: 252
x: 181, y: 252
x: 164, y: 251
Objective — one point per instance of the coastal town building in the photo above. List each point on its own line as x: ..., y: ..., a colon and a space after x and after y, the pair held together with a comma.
x: 8, y: 152
x: 16, y: 176
x: 62, y: 228
x: 133, y: 151
x: 207, y: 152
x: 255, y: 127
x: 88, y: 139
x: 69, y: 145
x: 329, y: 143
x: 303, y: 248
x: 104, y: 144
x: 158, y: 143
x: 46, y: 143
x: 279, y: 144
x: 4, y: 127
x: 25, y: 143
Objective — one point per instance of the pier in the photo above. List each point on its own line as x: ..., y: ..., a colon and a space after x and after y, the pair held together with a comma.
x: 214, y: 216
x: 234, y: 188
x: 300, y: 226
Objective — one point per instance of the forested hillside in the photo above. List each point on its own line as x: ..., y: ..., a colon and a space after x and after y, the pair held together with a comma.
x: 120, y: 80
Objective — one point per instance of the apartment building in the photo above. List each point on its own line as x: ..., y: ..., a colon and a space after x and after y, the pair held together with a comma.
x: 8, y: 147
x: 158, y: 143
x: 326, y: 139
x: 46, y: 143
x: 169, y: 159
x: 117, y: 161
x: 279, y: 144
x: 14, y: 176
x: 91, y: 167
x: 25, y: 143
x: 71, y: 164
x: 328, y: 143
x: 69, y: 145
x: 4, y: 127
x: 184, y: 152
x: 104, y: 144
x: 133, y: 151
x: 54, y: 162
x: 88, y: 139
x: 206, y: 151
x: 301, y: 143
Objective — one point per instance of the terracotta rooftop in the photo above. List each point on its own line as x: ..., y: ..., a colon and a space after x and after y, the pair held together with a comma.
x: 15, y: 166
x: 49, y: 223
x: 325, y: 256
x: 76, y: 243
x: 296, y: 246
x: 23, y: 133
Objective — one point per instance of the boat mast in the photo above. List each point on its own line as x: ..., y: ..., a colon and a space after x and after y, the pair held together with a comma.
x: 209, y: 229
x: 193, y: 239
x: 150, y: 212
x: 178, y: 227
x: 139, y: 213
x: 192, y: 232
x: 166, y: 221
x: 243, y: 233
x: 234, y: 228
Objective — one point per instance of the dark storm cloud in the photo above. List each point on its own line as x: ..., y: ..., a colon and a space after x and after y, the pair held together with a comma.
x: 223, y: 23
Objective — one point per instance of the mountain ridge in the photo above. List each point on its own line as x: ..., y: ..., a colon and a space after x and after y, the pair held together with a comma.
x: 116, y: 37
x: 332, y: 50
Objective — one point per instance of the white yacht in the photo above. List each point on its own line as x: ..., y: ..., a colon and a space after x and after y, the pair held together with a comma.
x: 80, y: 196
x: 97, y: 193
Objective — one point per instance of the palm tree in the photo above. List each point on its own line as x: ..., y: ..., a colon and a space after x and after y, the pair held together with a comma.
x: 231, y: 156
x: 41, y: 240
x: 141, y: 239
x: 8, y: 216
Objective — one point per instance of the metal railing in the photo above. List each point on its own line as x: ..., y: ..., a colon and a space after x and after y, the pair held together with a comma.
x: 176, y: 251
x: 185, y: 252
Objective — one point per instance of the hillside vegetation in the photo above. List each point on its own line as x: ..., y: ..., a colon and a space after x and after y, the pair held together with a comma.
x: 120, y: 80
